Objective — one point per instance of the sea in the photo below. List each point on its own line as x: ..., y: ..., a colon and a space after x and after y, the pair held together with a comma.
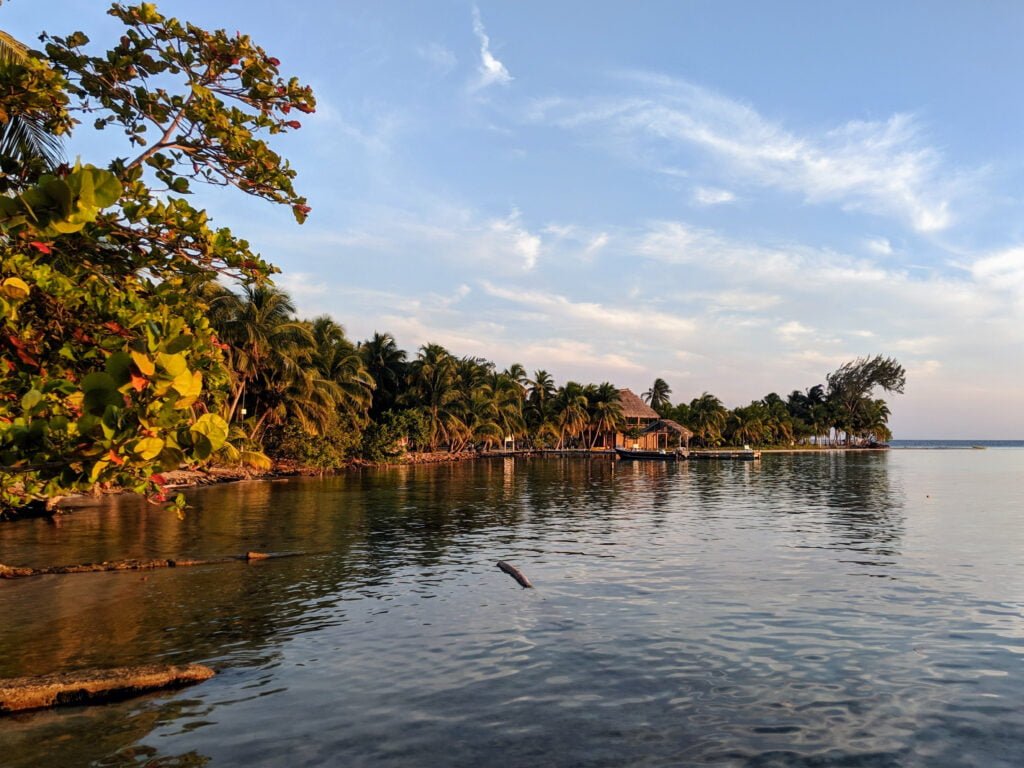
x: 855, y: 609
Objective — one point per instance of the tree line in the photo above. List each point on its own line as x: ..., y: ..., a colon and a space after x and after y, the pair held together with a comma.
x: 294, y: 379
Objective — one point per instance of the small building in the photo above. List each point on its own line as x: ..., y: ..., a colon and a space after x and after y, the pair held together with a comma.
x: 636, y: 417
x: 668, y: 436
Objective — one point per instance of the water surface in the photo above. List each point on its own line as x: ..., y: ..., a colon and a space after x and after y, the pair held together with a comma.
x: 805, y: 610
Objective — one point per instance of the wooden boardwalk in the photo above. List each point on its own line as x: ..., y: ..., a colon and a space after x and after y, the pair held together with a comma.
x: 744, y: 454
x: 734, y: 454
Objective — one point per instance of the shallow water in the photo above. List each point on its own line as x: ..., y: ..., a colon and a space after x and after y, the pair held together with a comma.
x: 805, y: 610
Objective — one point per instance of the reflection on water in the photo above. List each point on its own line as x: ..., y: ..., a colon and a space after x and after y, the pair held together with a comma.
x: 861, y: 609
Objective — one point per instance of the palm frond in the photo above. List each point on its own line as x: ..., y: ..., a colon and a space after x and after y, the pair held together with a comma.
x: 27, y: 139
x: 12, y: 51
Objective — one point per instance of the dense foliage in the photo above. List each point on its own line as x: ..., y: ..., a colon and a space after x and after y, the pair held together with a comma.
x: 109, y: 368
x: 296, y: 378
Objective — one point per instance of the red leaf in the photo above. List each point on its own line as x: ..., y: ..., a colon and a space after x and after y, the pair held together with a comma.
x: 41, y: 247
x: 139, y: 383
x: 114, y: 458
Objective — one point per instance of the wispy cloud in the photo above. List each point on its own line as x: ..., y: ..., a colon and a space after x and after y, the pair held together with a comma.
x: 508, y: 236
x: 879, y: 245
x: 712, y: 196
x: 491, y: 70
x: 623, y: 319
x: 884, y: 167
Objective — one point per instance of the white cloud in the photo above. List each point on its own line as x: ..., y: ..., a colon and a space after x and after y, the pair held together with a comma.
x: 633, y: 319
x: 879, y: 245
x: 1003, y: 270
x: 794, y: 331
x: 596, y: 243
x: 712, y: 196
x: 510, y: 237
x: 883, y: 167
x: 491, y: 71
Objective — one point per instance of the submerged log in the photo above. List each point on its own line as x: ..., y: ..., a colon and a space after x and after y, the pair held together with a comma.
x: 515, y: 573
x: 16, y: 572
x: 95, y: 686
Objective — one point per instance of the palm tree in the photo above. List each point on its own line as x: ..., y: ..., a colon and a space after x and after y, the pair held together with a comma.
x: 339, y: 362
x: 605, y: 410
x: 538, y: 408
x: 657, y: 395
x: 267, y: 348
x: 25, y: 137
x: 746, y: 424
x: 433, y: 386
x: 570, y: 411
x: 385, y: 363
x: 517, y: 373
x: 707, y: 418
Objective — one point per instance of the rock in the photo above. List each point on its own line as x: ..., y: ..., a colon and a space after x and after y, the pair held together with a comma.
x: 95, y: 686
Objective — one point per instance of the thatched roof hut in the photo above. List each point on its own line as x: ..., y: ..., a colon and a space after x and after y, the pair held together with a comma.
x: 667, y: 425
x: 633, y: 408
x: 669, y: 429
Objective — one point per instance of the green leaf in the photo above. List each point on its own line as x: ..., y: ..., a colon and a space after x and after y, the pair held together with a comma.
x: 31, y: 399
x: 179, y: 343
x: 98, y: 381
x: 188, y: 383
x: 100, y: 391
x: 97, y: 470
x: 173, y: 365
x: 119, y: 366
x: 213, y: 428
x: 170, y: 458
x: 148, y: 448
x: 107, y: 189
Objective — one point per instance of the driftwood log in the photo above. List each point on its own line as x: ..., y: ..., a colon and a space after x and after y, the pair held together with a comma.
x: 515, y: 573
x: 16, y: 572
x: 19, y: 694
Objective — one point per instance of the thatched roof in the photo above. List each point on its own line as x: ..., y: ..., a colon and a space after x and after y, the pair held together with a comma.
x: 667, y: 425
x: 635, y: 408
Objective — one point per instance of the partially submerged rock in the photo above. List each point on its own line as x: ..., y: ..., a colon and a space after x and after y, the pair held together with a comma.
x: 95, y: 686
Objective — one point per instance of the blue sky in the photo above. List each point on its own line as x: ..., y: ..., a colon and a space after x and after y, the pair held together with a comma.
x: 736, y: 197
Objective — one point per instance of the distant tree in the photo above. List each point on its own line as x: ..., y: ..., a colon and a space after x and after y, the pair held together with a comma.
x: 850, y: 387
x: 386, y: 364
x: 708, y: 419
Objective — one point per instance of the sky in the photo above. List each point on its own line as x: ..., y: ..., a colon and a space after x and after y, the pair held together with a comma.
x: 736, y: 197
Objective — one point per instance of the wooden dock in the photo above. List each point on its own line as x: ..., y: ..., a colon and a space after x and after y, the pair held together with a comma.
x: 744, y: 454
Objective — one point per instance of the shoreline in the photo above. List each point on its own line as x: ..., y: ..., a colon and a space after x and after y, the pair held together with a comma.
x: 184, y: 479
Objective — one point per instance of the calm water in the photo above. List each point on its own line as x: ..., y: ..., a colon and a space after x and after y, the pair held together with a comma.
x: 840, y: 610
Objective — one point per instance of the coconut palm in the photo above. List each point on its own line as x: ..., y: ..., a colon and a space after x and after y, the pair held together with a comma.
x: 385, y: 363
x: 570, y: 412
x: 338, y: 361
x: 657, y: 396
x: 604, y: 409
x: 707, y: 418
x: 25, y: 137
x: 267, y: 346
x: 434, y: 386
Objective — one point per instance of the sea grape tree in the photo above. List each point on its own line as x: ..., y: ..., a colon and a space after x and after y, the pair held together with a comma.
x: 109, y: 370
